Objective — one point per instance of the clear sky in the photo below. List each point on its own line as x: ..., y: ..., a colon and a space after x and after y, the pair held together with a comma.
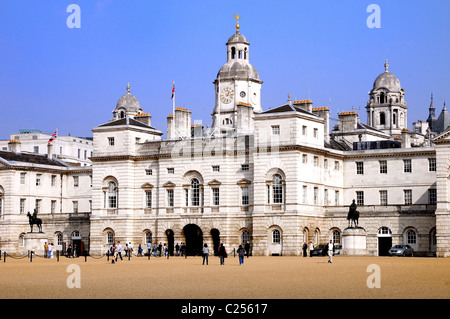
x: 53, y: 76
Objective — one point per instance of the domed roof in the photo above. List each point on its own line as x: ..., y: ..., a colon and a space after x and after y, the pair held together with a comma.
x: 238, y: 69
x: 237, y: 38
x: 387, y: 80
x: 128, y: 102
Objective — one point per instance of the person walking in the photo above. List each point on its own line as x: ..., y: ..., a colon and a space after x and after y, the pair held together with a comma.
x: 149, y: 248
x: 247, y: 248
x: 205, y: 253
x: 311, y: 248
x: 330, y: 251
x: 177, y: 249
x: 222, y: 253
x: 45, y: 250
x: 139, y: 253
x: 119, y: 251
x: 112, y: 250
x: 241, y: 254
x: 155, y: 249
x: 305, y: 249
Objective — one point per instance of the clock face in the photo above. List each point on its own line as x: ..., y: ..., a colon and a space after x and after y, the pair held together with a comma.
x: 227, y: 94
x: 242, y: 94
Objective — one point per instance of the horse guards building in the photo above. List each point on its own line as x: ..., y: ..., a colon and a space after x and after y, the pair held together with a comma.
x: 276, y: 178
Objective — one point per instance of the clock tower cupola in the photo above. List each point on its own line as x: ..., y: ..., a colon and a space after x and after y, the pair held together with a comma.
x: 237, y: 87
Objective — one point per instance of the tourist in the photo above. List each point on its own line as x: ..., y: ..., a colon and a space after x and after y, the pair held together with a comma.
x: 241, y: 254
x: 165, y: 250
x: 305, y: 249
x: 159, y: 249
x: 50, y: 251
x: 74, y: 251
x: 149, y: 248
x: 139, y: 253
x: 126, y: 249
x: 330, y: 252
x: 177, y: 249
x: 311, y: 248
x: 45, y: 250
x: 69, y: 251
x: 205, y: 253
x: 247, y: 248
x: 155, y: 249
x: 112, y: 250
x: 130, y: 249
x: 222, y: 254
x: 119, y: 251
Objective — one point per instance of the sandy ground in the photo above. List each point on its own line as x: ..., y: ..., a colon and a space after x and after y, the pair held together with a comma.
x: 258, y: 278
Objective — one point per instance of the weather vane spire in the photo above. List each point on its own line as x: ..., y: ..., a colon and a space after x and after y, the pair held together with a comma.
x: 237, y: 17
x: 128, y: 87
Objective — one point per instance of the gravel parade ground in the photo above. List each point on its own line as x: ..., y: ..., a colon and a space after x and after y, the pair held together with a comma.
x: 259, y: 278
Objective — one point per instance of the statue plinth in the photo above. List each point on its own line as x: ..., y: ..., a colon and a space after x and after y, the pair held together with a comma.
x: 354, y: 241
x: 34, y: 242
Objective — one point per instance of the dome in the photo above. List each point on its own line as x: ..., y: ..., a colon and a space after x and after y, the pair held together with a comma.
x: 237, y: 38
x: 238, y: 69
x: 387, y: 80
x: 128, y: 102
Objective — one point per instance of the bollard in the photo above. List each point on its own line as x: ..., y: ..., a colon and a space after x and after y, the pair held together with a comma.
x: 31, y: 257
x: 107, y: 256
x: 4, y: 256
x: 85, y: 257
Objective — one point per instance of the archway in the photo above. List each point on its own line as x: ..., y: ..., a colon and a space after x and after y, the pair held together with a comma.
x: 170, y: 241
x: 194, y: 239
x: 215, y: 234
x: 384, y: 241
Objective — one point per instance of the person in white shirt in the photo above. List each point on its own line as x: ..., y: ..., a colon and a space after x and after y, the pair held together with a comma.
x: 330, y: 252
x: 119, y: 251
x: 311, y: 248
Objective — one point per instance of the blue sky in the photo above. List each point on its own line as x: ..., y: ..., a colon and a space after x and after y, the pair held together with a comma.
x: 56, y: 77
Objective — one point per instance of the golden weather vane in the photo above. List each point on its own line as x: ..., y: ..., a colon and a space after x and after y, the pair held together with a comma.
x: 237, y: 17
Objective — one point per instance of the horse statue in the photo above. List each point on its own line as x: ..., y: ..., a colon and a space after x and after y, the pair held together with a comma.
x: 34, y: 220
x: 353, y: 215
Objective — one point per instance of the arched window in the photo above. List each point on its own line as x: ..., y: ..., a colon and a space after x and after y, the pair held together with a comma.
x: 411, y: 237
x: 195, y: 192
x: 336, y: 237
x: 110, y: 238
x: 148, y: 237
x: 122, y: 114
x: 276, y: 237
x: 245, y: 237
x: 277, y: 189
x: 59, y: 239
x: 233, y: 52
x: 112, y: 195
x: 245, y: 53
x: 382, y: 98
x: 385, y: 231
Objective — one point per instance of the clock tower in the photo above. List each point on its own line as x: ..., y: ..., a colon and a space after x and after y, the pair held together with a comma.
x: 237, y: 87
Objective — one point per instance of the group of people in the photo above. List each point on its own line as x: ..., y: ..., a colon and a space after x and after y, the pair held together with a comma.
x: 48, y: 250
x: 329, y: 246
x: 222, y: 253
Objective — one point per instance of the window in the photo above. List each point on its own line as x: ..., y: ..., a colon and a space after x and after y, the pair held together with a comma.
x: 407, y: 193
x: 216, y: 168
x: 383, y: 167
x: 36, y: 149
x: 171, y: 170
x: 186, y: 192
x: 304, y: 130
x: 79, y: 153
x: 432, y: 196
x: 76, y: 181
x: 53, y: 180
x: 277, y: 188
x: 316, y: 133
x: 316, y: 196
x: 325, y: 197
x: 304, y: 159
x: 148, y: 172
x: 22, y: 205
x: 53, y: 206
x: 245, y: 237
x: 383, y: 198
x: 148, y: 199
x: 195, y: 192
x: 316, y: 161
x: 411, y: 237
x: 407, y: 166
x: 110, y: 238
x: 275, y: 130
x: 148, y: 237
x: 112, y: 195
x: 245, y: 167
x: 111, y: 141
x: 245, y: 199
x: 360, y: 168
x: 336, y: 237
x: 336, y: 198
x: 170, y: 198
x: 360, y: 198
x: 432, y: 165
x: 75, y: 206
x: 38, y: 203
x: 336, y: 165
x: 215, y: 196
x: 59, y: 239
x: 38, y: 179
x: 22, y: 178
x: 276, y: 237
x: 325, y: 163
x: 304, y: 194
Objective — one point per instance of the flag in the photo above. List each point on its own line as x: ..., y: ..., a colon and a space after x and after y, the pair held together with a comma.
x: 55, y: 135
x: 173, y: 90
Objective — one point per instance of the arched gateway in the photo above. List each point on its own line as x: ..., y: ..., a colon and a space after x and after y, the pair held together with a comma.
x: 193, y: 236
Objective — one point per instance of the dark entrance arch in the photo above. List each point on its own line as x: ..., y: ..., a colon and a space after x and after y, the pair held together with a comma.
x: 194, y: 239
x: 170, y: 241
x: 215, y: 234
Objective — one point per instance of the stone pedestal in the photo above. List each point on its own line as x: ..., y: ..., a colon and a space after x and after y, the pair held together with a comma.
x: 35, y: 242
x: 354, y: 241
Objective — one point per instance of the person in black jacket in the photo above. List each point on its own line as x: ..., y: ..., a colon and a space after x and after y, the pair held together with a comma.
x: 222, y: 254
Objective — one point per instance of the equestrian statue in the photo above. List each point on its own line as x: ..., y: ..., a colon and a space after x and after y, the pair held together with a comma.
x: 353, y: 215
x: 34, y: 220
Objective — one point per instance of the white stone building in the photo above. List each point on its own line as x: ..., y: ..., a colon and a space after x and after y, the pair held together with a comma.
x: 276, y: 178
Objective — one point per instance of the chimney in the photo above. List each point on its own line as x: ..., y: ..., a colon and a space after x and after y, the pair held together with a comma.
x: 14, y: 146
x: 324, y: 113
x: 50, y: 150
x: 406, y: 138
x: 348, y: 121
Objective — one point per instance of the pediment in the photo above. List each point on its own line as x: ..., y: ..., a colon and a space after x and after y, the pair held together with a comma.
x: 443, y: 138
x: 244, y: 181
x: 169, y: 184
x: 147, y: 186
x: 214, y: 182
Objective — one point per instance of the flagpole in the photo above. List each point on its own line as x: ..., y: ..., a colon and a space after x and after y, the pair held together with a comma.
x: 173, y: 107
